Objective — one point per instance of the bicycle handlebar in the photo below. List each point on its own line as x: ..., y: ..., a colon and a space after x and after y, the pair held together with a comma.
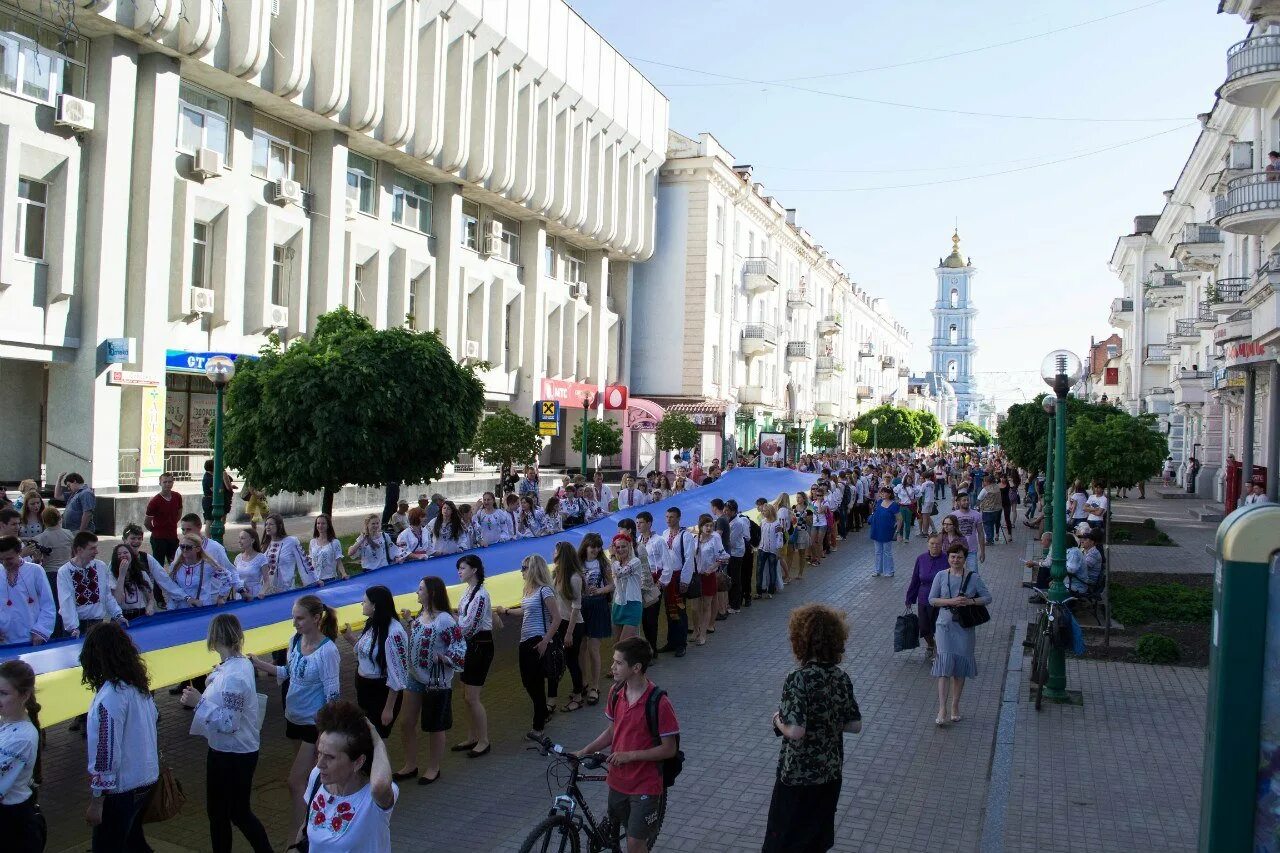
x: 591, y: 761
x: 1045, y: 595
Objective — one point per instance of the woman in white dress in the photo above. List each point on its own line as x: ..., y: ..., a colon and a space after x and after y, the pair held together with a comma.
x: 251, y: 563
x: 288, y: 566
x: 21, y: 823
x: 326, y: 551
x: 448, y: 535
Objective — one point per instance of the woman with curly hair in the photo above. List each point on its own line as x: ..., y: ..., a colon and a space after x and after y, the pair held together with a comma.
x: 123, y: 717
x: 817, y: 708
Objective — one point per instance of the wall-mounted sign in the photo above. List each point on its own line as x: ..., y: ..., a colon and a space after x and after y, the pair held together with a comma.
x: 120, y: 350
x: 546, y: 416
x: 181, y: 361
x: 132, y: 378
x: 1245, y: 353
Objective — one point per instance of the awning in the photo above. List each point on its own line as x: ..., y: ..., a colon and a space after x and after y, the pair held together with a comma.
x: 706, y: 407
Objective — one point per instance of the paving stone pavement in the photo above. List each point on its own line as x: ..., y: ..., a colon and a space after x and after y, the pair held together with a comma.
x: 909, y: 786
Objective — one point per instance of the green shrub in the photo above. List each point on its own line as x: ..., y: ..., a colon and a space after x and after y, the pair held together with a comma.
x: 1161, y: 602
x: 1157, y: 648
x: 1161, y: 538
x: 1149, y: 523
x: 1121, y: 536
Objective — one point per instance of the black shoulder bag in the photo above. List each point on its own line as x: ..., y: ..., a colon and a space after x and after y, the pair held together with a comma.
x: 553, y: 659
x: 970, y: 615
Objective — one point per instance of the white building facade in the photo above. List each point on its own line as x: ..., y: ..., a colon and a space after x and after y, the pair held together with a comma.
x: 195, y: 175
x: 1200, y: 310
x: 745, y: 321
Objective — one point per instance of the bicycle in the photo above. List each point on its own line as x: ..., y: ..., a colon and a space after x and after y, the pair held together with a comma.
x: 570, y: 816
x: 1044, y: 639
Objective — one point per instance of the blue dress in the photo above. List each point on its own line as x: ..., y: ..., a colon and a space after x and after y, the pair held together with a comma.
x: 955, y: 643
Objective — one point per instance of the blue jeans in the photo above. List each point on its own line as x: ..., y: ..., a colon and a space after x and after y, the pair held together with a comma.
x: 884, y: 558
x: 990, y: 521
x: 121, y: 827
x: 971, y: 561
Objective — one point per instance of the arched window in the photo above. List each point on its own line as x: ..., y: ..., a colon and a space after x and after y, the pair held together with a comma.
x: 955, y: 298
x: 951, y: 371
x: 953, y: 336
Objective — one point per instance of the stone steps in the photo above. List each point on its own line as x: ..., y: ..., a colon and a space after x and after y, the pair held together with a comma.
x: 1209, y: 512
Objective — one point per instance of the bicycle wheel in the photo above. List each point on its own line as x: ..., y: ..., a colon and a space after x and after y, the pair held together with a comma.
x: 1040, y: 666
x: 556, y: 834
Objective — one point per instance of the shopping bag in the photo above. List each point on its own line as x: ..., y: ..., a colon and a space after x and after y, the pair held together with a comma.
x: 906, y: 632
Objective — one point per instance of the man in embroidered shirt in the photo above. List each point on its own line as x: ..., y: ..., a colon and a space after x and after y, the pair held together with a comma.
x: 629, y: 496
x: 677, y: 570
x: 635, y: 765
x: 163, y: 512
x: 604, y: 493
x: 27, y: 611
x: 84, y: 588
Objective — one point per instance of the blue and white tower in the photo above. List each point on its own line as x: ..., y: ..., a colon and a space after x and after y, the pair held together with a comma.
x: 954, y: 345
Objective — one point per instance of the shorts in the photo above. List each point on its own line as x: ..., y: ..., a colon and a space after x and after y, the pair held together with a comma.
x: 628, y: 614
x: 479, y: 658
x: 305, y: 732
x: 638, y: 813
x: 437, y: 709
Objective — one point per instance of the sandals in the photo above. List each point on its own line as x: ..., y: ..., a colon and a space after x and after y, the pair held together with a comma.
x: 593, y: 696
x: 575, y: 703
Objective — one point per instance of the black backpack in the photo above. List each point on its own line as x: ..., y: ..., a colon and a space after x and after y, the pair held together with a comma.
x: 672, y: 766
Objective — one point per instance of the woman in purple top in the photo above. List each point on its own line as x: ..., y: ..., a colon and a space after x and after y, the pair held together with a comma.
x: 928, y: 564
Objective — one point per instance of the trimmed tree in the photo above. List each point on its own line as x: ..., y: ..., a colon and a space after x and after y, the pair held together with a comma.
x: 859, y: 437
x: 1119, y: 452
x: 897, y: 428
x: 980, y: 436
x: 507, y: 440
x: 823, y: 437
x: 676, y: 432
x: 352, y: 404
x: 604, y: 438
x: 1025, y: 430
x: 930, y: 428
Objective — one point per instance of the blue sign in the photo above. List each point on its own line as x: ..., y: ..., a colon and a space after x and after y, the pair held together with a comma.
x: 181, y: 361
x: 546, y: 412
x: 119, y: 350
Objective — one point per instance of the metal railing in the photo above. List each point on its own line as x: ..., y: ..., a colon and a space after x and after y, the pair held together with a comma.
x: 1121, y: 306
x: 798, y: 296
x: 129, y: 467
x: 1195, y: 232
x: 186, y: 464
x: 1157, y: 352
x: 1253, y: 56
x: 867, y: 350
x: 1186, y: 328
x: 1229, y: 290
x: 762, y: 331
x: 828, y: 364
x: 1252, y: 192
x: 1162, y: 279
x: 1184, y: 375
x: 1205, y: 314
x: 760, y: 266
x: 888, y: 362
x: 865, y: 392
x: 799, y: 349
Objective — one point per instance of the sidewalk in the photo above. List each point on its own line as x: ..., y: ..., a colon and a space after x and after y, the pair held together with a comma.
x: 1195, y: 539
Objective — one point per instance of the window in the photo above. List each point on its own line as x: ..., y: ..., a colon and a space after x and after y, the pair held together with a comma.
x: 715, y: 363
x: 411, y: 309
x: 952, y: 335
x: 716, y: 293
x: 411, y: 202
x: 573, y: 266
x: 39, y: 61
x: 955, y: 298
x: 1112, y: 351
x: 279, y: 276
x: 33, y: 201
x: 203, y: 118
x: 360, y: 186
x: 359, y: 281
x: 510, y: 240
x: 951, y: 371
x: 549, y: 259
x: 201, y: 236
x: 1112, y: 376
x: 720, y: 224
x: 470, y: 224
x: 280, y: 150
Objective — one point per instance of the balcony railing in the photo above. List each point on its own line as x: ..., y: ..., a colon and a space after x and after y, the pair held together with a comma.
x: 1161, y: 280
x: 1157, y: 354
x: 828, y: 364
x: 799, y: 350
x: 888, y: 362
x: 758, y: 338
x: 829, y: 325
x: 904, y: 372
x: 867, y: 350
x: 865, y: 392
x: 1252, y: 203
x: 1186, y: 328
x: 1253, y: 56
x: 798, y: 297
x: 1205, y: 316
x: 1196, y: 232
x: 1192, y: 375
x: 1228, y: 291
x: 760, y: 273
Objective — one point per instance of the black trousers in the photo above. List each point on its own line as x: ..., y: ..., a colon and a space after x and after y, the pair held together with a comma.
x: 736, y: 587
x: 228, y: 784
x: 572, y: 661
x: 371, y: 696
x: 23, y: 827
x: 121, y: 827
x: 649, y: 624
x: 677, y: 616
x: 164, y: 550
x: 535, y: 681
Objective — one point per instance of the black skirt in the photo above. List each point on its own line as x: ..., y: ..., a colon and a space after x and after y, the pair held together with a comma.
x: 802, y: 818
x: 479, y: 659
x: 928, y: 620
x: 371, y: 696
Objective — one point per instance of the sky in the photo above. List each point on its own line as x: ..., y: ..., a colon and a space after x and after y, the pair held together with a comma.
x: 882, y: 186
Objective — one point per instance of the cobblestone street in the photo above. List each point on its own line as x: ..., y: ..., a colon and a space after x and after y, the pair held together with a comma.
x: 1070, y: 779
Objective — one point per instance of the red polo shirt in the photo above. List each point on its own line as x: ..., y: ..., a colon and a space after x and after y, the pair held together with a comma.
x: 631, y: 733
x: 165, y: 515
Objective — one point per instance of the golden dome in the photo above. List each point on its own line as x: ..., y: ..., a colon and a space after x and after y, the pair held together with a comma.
x: 954, y: 261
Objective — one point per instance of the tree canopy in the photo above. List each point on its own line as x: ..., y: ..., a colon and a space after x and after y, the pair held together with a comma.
x: 1025, y: 430
x: 604, y: 438
x: 351, y: 404
x: 506, y: 439
x: 859, y: 437
x: 930, y: 428
x: 823, y: 437
x: 676, y: 432
x: 1119, y: 451
x: 898, y: 427
x: 981, y: 437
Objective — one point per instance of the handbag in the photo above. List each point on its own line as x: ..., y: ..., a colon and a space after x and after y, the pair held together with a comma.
x: 553, y: 659
x: 970, y: 615
x: 166, y: 800
x: 906, y: 632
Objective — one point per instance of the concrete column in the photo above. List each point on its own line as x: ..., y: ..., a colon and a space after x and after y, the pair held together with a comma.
x: 84, y: 412
x: 1246, y: 444
x: 533, y: 241
x: 446, y: 214
x: 1273, y: 434
x: 327, y: 282
x: 596, y: 275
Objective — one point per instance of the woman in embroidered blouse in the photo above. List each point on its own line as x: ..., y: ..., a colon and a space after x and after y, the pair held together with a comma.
x: 251, y: 563
x: 288, y: 566
x: 414, y: 542
x: 374, y: 547
x: 131, y: 583
x: 201, y: 579
x: 350, y: 793
x: 312, y: 669
x: 598, y: 587
x: 495, y: 523
x: 382, y: 650
x: 32, y: 523
x: 123, y: 723
x: 591, y: 503
x: 475, y: 618
x: 227, y: 714
x: 436, y: 651
x: 709, y: 557
x: 530, y: 520
x: 552, y: 521
x: 19, y: 747
x: 326, y: 551
x: 447, y: 534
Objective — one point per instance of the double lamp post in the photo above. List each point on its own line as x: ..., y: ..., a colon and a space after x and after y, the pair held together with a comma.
x: 218, y: 369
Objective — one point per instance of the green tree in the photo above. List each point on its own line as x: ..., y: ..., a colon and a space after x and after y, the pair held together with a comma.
x: 981, y: 437
x: 676, y: 432
x: 1025, y: 429
x: 604, y: 438
x: 1119, y: 451
x: 823, y: 437
x: 506, y: 439
x: 859, y: 437
x: 930, y: 429
x: 352, y: 404
x: 897, y: 428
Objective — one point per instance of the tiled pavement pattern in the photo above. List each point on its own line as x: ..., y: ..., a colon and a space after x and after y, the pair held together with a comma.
x: 1193, y: 537
x: 1129, y: 758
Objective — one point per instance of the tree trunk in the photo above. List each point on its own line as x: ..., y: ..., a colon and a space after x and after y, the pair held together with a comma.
x: 326, y: 501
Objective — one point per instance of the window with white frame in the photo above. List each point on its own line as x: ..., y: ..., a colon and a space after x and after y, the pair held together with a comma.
x: 411, y: 202
x: 39, y: 61
x: 280, y: 276
x: 280, y: 150
x: 33, y: 207
x: 203, y: 119
x: 715, y: 363
x: 470, y: 225
x: 359, y: 283
x: 720, y: 224
x: 574, y: 266
x: 549, y: 258
x: 715, y: 292
x: 201, y: 268
x: 510, y: 239
x: 361, y: 188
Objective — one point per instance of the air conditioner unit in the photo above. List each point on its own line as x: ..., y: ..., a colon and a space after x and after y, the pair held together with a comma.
x: 278, y: 317
x: 285, y: 191
x: 74, y: 113
x: 207, y: 163
x: 353, y: 207
x: 493, y: 229
x: 577, y: 291
x: 1240, y: 156
x: 471, y: 349
x: 199, y: 300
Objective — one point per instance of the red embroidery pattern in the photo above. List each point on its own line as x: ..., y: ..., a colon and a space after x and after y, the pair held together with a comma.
x: 84, y: 582
x: 343, y: 813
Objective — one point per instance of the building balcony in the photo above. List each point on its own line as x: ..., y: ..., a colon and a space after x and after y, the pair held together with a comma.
x: 828, y: 366
x: 1238, y: 328
x: 760, y: 275
x: 1200, y: 248
x: 904, y: 372
x: 752, y: 395
x: 1122, y: 312
x: 798, y: 297
x: 799, y: 351
x: 1226, y: 294
x: 1253, y: 71
x: 1191, y: 387
x: 826, y: 409
x: 1206, y: 317
x: 1252, y: 204
x: 1184, y: 332
x: 829, y: 326
x: 1162, y: 290
x: 888, y: 362
x: 1157, y: 400
x: 1156, y: 354
x: 759, y: 339
x: 865, y: 392
x: 867, y: 350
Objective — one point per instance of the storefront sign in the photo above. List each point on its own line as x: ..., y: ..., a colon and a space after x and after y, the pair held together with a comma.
x: 119, y: 350
x: 546, y: 415
x: 1245, y: 353
x: 151, y: 461
x: 705, y: 419
x: 131, y: 378
x: 615, y: 397
x: 181, y: 361
x: 569, y: 393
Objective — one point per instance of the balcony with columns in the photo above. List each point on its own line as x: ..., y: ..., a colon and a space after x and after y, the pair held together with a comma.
x: 759, y: 339
x: 1253, y: 71
x: 1251, y: 205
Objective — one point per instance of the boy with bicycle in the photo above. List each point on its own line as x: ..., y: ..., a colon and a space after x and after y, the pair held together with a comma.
x: 635, y: 777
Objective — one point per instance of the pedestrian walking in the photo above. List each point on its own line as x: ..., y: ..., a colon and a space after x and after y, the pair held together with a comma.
x: 599, y: 583
x: 22, y: 825
x: 540, y: 616
x: 886, y: 524
x: 475, y: 618
x: 817, y: 709
x: 927, y: 566
x: 568, y: 581
x: 436, y: 651
x: 955, y: 660
x: 382, y: 651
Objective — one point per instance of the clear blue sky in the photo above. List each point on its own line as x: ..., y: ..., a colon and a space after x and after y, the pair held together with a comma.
x: 1041, y: 237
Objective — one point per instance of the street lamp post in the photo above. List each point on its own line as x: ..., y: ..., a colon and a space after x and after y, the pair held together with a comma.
x: 1050, y: 406
x: 875, y: 433
x: 219, y: 369
x: 1060, y: 370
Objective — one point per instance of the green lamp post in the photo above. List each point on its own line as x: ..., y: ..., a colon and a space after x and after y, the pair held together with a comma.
x: 1050, y: 406
x: 1060, y: 370
x: 219, y: 369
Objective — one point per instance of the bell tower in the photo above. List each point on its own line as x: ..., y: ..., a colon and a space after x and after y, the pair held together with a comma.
x: 953, y: 346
